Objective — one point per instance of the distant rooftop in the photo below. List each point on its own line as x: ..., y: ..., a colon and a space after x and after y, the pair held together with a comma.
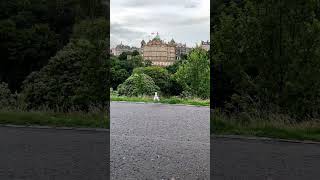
x: 205, y: 42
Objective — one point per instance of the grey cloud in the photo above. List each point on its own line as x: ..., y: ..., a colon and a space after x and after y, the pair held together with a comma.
x: 144, y: 3
x: 166, y: 20
x: 194, y: 20
x: 121, y: 32
x: 119, y: 29
x: 180, y: 19
x: 192, y: 4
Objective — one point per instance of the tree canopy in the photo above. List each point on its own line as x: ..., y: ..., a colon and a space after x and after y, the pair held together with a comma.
x: 194, y: 73
x: 266, y: 57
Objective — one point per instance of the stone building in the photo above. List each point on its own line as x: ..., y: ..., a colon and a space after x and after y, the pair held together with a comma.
x: 205, y: 45
x: 119, y: 49
x: 182, y: 49
x: 159, y: 52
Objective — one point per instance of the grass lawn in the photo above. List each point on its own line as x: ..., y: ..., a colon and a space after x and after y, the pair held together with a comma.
x: 170, y: 100
x: 294, y: 131
x: 54, y: 119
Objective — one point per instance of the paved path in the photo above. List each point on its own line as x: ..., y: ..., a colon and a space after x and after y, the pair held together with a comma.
x: 49, y: 154
x: 236, y: 159
x: 157, y: 141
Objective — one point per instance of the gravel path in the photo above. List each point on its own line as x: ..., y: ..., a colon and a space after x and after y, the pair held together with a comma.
x: 157, y: 141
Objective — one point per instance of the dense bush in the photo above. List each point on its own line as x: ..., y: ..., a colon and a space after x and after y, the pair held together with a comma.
x: 159, y: 75
x: 137, y: 85
x: 7, y: 99
x: 70, y: 80
x: 76, y: 78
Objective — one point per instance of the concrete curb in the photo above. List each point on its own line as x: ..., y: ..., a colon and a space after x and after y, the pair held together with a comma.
x: 161, y: 104
x: 55, y: 128
x: 263, y: 139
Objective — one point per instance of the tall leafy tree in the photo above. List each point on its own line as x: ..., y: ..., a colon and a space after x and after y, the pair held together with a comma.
x: 261, y: 52
x: 194, y: 73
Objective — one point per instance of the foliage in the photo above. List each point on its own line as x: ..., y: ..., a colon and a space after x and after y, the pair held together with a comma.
x: 129, y: 64
x: 147, y: 63
x: 72, y: 79
x: 24, y: 50
x: 122, y: 68
x: 118, y: 76
x: 32, y: 31
x: 93, y: 30
x: 174, y: 88
x: 135, y: 53
x: 175, y: 66
x: 58, y: 119
x: 164, y: 100
x: 159, y: 75
x: 137, y: 85
x: 194, y: 73
x: 274, y: 126
x: 266, y: 58
x: 135, y: 61
x: 7, y: 99
x: 123, y: 56
x: 53, y: 55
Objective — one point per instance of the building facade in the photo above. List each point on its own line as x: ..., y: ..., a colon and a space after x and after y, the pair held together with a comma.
x: 205, y: 45
x: 159, y: 52
x: 181, y: 49
x: 119, y: 49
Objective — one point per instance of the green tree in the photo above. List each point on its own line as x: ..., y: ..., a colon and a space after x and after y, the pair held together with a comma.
x: 135, y: 53
x: 147, y: 63
x: 118, y: 76
x: 92, y: 30
x: 194, y: 74
x: 123, y: 56
x: 263, y: 52
x: 172, y: 69
x: 24, y: 50
x: 32, y: 31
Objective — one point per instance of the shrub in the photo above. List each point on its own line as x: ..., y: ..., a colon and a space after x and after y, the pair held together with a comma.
x: 7, y: 99
x: 159, y: 75
x: 137, y: 85
x: 74, y: 78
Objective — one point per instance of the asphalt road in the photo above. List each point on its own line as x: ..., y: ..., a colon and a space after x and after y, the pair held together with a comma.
x: 157, y: 141
x: 151, y: 141
x: 49, y: 154
x: 237, y: 159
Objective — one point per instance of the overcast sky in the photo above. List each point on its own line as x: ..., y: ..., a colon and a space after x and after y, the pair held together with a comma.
x: 187, y: 21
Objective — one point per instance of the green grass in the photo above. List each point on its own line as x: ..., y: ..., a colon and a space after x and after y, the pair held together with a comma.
x: 54, y: 119
x: 170, y: 100
x: 221, y: 125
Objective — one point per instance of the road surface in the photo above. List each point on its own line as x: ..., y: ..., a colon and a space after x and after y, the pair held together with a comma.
x: 241, y: 159
x: 157, y: 141
x: 151, y: 141
x: 50, y: 154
